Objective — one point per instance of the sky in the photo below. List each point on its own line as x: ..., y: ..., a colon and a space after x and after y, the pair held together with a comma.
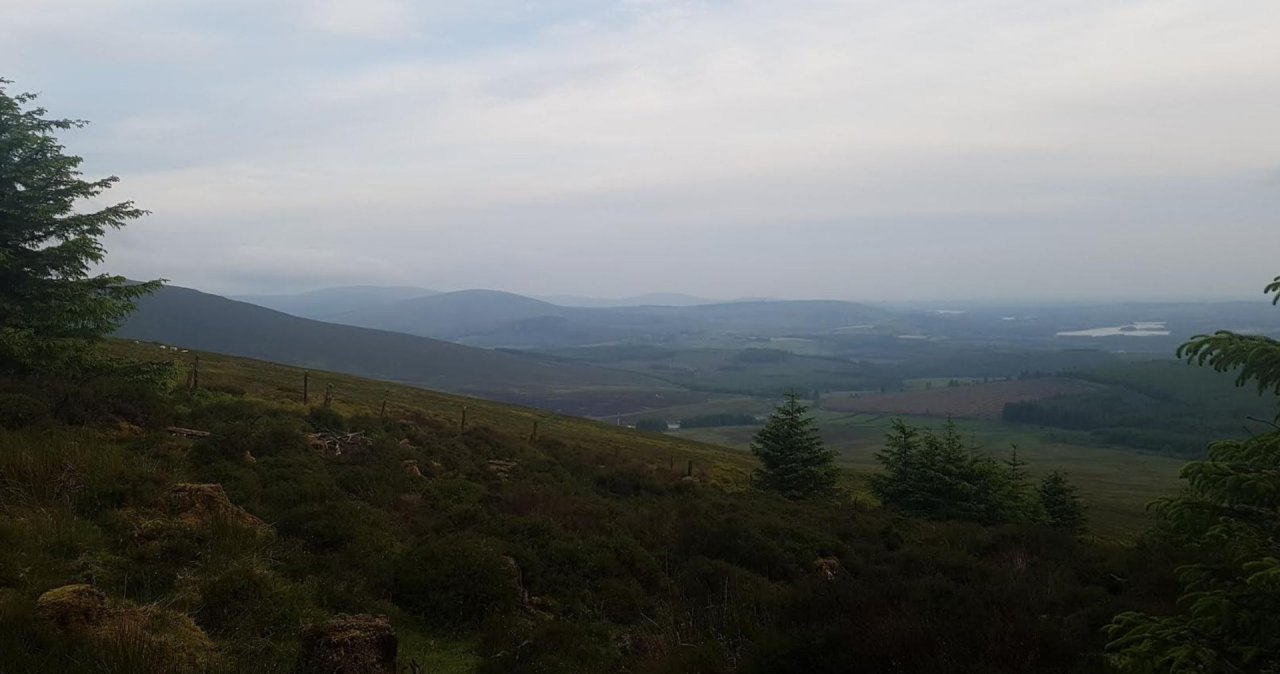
x: 892, y: 150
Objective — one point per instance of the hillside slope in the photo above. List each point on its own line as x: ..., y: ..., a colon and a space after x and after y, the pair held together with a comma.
x: 195, y: 320
x: 500, y: 546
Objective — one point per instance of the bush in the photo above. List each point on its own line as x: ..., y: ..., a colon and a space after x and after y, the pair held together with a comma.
x: 456, y: 582
x: 20, y: 411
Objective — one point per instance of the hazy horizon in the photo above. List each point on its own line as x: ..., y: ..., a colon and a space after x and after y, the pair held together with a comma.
x: 930, y: 151
x: 912, y: 303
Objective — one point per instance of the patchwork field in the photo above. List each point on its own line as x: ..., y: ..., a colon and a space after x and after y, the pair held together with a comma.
x: 972, y: 401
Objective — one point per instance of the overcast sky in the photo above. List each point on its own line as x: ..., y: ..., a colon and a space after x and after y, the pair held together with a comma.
x: 884, y: 150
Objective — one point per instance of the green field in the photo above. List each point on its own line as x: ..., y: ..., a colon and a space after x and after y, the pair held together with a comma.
x: 1116, y: 482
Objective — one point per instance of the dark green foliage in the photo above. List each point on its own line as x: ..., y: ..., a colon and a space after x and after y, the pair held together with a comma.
x: 457, y: 582
x: 714, y: 420
x: 49, y: 302
x: 1254, y: 358
x: 935, y: 475
x: 795, y: 462
x: 1060, y: 501
x: 18, y: 410
x: 651, y: 425
x: 1229, y: 521
x: 1161, y: 405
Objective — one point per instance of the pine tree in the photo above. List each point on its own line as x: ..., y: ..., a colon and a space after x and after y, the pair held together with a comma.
x: 935, y: 475
x: 50, y: 303
x: 795, y: 462
x: 1061, y: 502
x: 1229, y: 518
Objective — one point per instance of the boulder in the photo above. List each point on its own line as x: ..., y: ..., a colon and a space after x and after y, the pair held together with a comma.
x: 72, y: 606
x: 411, y: 468
x: 349, y: 644
x: 203, y: 504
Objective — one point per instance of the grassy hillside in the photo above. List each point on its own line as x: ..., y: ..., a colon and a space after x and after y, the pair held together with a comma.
x: 194, y: 320
x: 491, y: 548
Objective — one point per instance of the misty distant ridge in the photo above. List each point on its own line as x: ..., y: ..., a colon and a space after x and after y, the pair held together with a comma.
x: 324, y: 302
x: 495, y: 318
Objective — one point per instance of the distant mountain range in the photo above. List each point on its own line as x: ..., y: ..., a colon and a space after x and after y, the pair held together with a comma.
x: 650, y: 299
x: 494, y: 318
x: 326, y: 302
x: 196, y: 320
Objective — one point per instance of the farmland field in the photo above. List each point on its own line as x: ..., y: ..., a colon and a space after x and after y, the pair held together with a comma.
x: 974, y: 401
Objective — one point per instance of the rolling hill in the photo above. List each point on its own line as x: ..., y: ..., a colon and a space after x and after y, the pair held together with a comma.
x: 196, y: 320
x: 493, y: 318
x: 326, y: 302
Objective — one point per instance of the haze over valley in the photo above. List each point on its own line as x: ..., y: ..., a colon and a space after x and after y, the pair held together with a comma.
x: 639, y: 336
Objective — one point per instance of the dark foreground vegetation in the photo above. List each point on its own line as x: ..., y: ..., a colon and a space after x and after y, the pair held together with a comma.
x: 520, y: 554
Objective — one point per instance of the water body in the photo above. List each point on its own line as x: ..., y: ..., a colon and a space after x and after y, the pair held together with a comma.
x: 1140, y: 329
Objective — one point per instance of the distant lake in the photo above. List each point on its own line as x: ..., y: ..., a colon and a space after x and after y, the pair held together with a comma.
x: 1140, y: 329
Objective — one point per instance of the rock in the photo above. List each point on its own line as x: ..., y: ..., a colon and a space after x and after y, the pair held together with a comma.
x: 411, y: 468
x: 72, y: 606
x: 203, y: 504
x: 828, y: 567
x: 349, y: 644
x: 249, y: 458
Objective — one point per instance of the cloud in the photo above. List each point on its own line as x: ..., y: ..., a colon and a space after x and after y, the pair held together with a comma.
x: 528, y: 137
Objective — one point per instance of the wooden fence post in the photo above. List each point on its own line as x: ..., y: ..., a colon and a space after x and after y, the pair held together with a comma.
x: 689, y: 472
x: 195, y: 374
x: 534, y: 435
x: 382, y: 414
x: 306, y: 382
x: 462, y: 426
x: 328, y: 395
